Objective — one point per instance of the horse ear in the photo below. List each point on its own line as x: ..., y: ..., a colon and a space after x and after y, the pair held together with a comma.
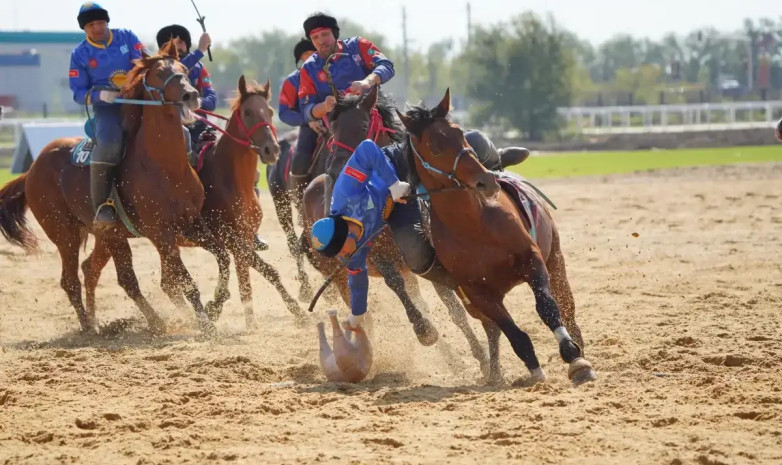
x: 242, y: 86
x: 444, y: 107
x: 406, y: 122
x: 369, y: 102
x: 268, y: 87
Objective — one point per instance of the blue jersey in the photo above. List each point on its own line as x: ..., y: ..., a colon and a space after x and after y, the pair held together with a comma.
x: 200, y: 79
x: 361, y: 196
x: 363, y: 59
x: 288, y: 104
x: 103, y: 65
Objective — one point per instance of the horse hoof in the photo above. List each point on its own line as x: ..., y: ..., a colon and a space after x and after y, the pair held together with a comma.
x: 213, y: 310
x: 581, y: 372
x: 208, y: 329
x: 426, y: 333
x: 535, y: 377
x: 157, y: 327
x: 250, y: 322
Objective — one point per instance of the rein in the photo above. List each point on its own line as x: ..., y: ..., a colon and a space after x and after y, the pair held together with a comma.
x: 248, y: 132
x: 376, y: 129
x: 451, y: 176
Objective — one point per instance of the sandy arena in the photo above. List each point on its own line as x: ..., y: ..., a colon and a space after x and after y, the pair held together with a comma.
x: 682, y: 324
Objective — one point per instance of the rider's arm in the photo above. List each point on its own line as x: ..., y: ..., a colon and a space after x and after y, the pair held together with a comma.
x: 192, y: 58
x: 208, y: 94
x: 375, y: 61
x: 136, y: 46
x: 78, y: 80
x: 287, y: 103
x: 307, y: 94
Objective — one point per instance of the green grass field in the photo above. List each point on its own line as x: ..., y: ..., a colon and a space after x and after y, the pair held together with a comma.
x: 602, y: 163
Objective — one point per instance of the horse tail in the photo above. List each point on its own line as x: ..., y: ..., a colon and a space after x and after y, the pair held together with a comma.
x: 13, y: 206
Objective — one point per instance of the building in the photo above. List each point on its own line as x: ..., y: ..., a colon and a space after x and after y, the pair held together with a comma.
x: 34, y: 71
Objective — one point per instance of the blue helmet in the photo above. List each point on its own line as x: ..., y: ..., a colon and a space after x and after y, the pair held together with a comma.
x: 329, y: 235
x: 91, y: 11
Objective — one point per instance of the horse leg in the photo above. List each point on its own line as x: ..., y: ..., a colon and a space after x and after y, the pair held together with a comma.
x: 91, y: 267
x: 271, y: 275
x: 126, y: 278
x: 174, y: 271
x: 488, y: 303
x: 242, y: 265
x: 204, y: 238
x: 170, y: 287
x: 68, y: 245
x: 459, y: 317
x: 424, y: 331
x: 560, y: 289
x: 493, y: 337
x: 580, y: 370
x: 282, y: 204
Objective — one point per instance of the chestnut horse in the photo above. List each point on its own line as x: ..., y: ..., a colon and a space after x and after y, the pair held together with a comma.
x: 353, y: 120
x: 230, y: 209
x: 161, y: 194
x: 488, y: 245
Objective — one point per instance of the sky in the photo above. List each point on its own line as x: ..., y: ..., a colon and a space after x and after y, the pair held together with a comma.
x: 428, y: 21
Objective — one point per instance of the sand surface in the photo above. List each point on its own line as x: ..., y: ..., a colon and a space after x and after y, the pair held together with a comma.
x: 682, y: 324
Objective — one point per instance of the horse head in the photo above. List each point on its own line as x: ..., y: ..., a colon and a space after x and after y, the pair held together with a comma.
x: 356, y: 118
x: 253, y: 114
x: 439, y: 152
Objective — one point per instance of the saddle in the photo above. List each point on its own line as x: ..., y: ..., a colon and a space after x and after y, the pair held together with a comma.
x: 526, y: 196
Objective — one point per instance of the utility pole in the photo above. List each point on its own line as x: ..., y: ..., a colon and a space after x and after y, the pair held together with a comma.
x: 405, y: 54
x: 469, y: 24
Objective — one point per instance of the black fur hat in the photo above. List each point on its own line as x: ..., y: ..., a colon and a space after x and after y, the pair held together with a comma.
x: 317, y: 20
x: 304, y: 45
x: 174, y: 30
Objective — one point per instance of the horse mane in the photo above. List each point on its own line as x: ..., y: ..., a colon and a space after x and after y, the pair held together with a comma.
x: 385, y: 106
x: 252, y: 89
x: 134, y: 85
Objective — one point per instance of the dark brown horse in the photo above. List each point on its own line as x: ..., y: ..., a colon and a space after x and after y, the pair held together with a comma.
x: 230, y: 209
x: 487, y: 243
x: 161, y: 194
x: 354, y: 120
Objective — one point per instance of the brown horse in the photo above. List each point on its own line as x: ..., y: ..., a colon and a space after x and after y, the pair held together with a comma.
x: 160, y: 192
x: 230, y: 209
x: 487, y: 243
x: 354, y: 120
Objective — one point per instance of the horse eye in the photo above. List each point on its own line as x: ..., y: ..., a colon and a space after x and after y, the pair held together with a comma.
x: 248, y: 113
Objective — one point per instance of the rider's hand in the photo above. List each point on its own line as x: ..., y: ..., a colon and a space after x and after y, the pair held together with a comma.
x: 108, y: 96
x: 204, y: 42
x: 318, y: 127
x: 359, y: 87
x: 329, y: 103
x: 399, y: 190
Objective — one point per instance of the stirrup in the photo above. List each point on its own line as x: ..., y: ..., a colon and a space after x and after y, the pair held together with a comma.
x: 108, y: 203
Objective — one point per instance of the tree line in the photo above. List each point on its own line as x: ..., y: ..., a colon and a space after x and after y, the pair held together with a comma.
x: 516, y: 73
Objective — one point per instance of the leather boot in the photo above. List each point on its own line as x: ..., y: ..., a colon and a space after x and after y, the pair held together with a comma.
x: 101, y: 180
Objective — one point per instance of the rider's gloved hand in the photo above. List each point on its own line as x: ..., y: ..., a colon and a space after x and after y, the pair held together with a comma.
x: 398, y: 190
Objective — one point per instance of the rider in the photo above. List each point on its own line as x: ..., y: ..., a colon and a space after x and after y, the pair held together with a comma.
x: 200, y: 79
x: 361, y: 67
x: 198, y: 75
x: 291, y: 114
x: 99, y: 67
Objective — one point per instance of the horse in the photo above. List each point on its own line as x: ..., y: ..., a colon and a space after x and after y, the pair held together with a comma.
x: 277, y: 176
x: 160, y: 193
x: 352, y: 119
x: 488, y: 245
x: 230, y: 208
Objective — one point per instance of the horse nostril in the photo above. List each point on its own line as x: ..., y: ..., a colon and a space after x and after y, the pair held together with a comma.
x: 186, y: 97
x: 480, y: 185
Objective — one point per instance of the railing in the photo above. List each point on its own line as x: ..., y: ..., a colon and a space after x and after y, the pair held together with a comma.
x: 672, y: 118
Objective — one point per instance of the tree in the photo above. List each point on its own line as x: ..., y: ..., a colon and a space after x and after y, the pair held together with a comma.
x: 521, y: 73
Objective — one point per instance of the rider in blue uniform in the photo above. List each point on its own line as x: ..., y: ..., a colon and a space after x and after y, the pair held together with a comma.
x: 99, y: 67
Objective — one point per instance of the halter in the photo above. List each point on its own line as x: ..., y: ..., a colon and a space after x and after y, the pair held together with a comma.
x: 160, y: 90
x: 376, y: 128
x: 247, y: 132
x: 452, y: 175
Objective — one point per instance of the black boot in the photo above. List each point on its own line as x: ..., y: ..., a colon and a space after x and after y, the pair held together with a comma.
x: 510, y: 156
x: 101, y: 181
x: 438, y: 274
